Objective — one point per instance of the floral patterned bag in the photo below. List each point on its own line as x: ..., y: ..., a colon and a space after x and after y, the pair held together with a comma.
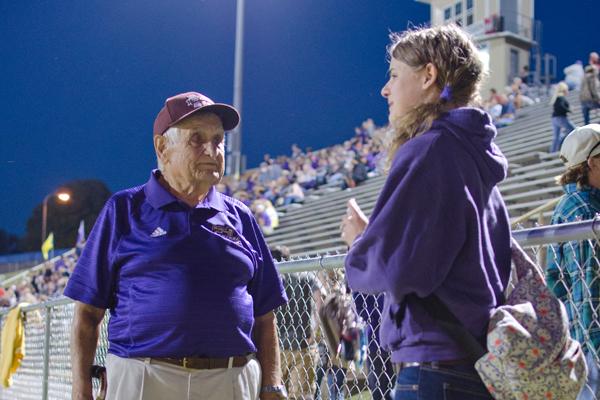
x: 530, y: 353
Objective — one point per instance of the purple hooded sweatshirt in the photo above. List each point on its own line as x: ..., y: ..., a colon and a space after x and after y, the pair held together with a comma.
x: 439, y: 226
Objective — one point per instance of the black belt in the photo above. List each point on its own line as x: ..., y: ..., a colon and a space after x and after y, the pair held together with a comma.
x: 204, y: 362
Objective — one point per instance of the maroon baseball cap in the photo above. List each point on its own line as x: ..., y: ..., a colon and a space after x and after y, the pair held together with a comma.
x: 182, y: 105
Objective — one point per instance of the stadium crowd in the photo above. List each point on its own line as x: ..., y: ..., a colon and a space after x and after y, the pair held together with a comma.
x: 504, y: 106
x: 41, y: 284
x: 285, y: 180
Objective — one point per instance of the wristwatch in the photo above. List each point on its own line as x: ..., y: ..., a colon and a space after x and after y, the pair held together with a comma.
x: 279, y: 390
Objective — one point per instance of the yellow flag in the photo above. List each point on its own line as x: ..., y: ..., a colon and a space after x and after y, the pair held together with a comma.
x: 48, y: 245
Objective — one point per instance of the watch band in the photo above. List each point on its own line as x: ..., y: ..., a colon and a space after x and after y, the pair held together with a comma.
x: 277, y: 389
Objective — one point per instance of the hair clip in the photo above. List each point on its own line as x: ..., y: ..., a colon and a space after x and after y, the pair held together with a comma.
x: 446, y: 94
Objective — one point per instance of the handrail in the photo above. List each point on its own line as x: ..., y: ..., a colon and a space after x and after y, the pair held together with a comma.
x: 546, y: 206
x: 311, y: 264
x: 559, y: 233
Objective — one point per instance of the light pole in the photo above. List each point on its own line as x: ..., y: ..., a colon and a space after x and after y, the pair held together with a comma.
x: 60, y: 195
x: 234, y: 162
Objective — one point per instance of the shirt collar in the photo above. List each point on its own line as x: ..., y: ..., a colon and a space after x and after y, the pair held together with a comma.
x: 572, y: 188
x: 213, y: 200
x: 158, y: 196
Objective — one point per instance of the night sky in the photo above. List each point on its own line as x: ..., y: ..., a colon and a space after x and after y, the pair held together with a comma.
x: 81, y: 81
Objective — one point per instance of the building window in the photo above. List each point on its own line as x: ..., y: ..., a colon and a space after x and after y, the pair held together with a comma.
x: 458, y: 9
x: 469, y: 12
x: 459, y: 21
x: 514, y: 64
x: 447, y: 13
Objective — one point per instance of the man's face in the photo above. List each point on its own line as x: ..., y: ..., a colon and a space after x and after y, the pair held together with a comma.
x: 198, y: 156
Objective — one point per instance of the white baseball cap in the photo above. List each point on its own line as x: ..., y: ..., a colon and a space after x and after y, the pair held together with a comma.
x: 581, y: 144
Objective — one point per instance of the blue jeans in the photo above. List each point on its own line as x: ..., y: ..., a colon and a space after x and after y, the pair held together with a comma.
x: 558, y: 124
x: 586, y: 107
x: 591, y: 390
x: 440, y: 383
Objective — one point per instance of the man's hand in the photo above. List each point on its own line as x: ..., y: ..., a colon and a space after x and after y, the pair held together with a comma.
x: 353, y: 223
x: 84, y: 339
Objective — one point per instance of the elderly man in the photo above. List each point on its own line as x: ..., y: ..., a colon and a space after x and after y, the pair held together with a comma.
x: 186, y: 274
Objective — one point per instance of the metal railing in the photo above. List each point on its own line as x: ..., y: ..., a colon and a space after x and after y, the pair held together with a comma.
x: 45, y: 372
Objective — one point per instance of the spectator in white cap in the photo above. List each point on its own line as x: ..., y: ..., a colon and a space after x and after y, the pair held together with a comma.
x: 572, y: 268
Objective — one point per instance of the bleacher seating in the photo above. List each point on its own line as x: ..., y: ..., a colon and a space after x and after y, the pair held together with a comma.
x: 313, y: 227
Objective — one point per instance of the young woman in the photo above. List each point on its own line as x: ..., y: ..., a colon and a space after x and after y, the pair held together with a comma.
x: 560, y: 120
x: 440, y: 225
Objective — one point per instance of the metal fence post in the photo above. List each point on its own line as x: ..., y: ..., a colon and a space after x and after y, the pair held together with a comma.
x: 46, y: 354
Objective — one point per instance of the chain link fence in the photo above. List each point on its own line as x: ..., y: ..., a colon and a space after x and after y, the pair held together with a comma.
x: 309, y: 369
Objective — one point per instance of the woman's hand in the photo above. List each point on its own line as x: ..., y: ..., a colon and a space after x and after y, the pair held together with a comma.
x: 353, y: 223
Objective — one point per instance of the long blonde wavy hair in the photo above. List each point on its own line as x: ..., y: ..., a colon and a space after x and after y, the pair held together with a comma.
x: 459, y: 68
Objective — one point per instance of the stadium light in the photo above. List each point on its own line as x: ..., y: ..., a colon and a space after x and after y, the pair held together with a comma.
x: 64, y: 196
x: 61, y: 195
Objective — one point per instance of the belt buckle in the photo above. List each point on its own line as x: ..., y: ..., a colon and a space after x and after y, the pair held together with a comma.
x: 185, y: 362
x: 398, y: 367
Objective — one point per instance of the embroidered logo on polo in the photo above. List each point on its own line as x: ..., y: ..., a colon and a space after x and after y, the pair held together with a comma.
x: 196, y: 101
x: 158, y: 232
x: 227, y: 232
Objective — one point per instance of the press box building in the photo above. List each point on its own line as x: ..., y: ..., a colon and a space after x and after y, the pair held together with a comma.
x: 504, y: 30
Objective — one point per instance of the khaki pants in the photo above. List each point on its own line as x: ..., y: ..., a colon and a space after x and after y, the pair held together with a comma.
x: 138, y: 379
x: 298, y: 367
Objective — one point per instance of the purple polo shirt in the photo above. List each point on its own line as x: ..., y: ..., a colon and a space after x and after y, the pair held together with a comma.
x: 179, y: 281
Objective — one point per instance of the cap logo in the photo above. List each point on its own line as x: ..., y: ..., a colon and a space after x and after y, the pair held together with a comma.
x: 196, y: 101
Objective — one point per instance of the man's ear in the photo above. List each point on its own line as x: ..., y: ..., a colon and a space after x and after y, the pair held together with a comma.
x: 430, y: 74
x: 160, y: 146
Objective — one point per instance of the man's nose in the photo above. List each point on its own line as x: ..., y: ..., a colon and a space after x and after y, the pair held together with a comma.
x: 209, y: 149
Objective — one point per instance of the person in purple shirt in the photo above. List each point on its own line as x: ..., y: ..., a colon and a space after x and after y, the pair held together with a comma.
x: 440, y: 225
x: 185, y: 273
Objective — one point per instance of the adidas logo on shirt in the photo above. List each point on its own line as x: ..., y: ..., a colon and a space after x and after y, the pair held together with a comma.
x: 158, y: 232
